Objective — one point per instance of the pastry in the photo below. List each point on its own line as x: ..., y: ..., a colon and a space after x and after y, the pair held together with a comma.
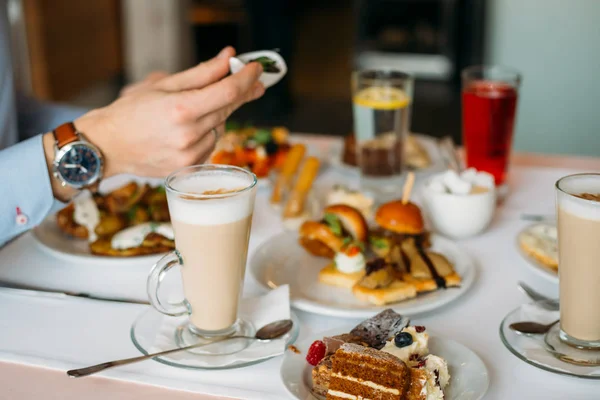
x: 416, y: 155
x: 330, y: 275
x: 540, y: 242
x: 381, y: 358
x: 295, y: 205
x: 288, y: 171
x: 340, y: 194
x: 381, y: 285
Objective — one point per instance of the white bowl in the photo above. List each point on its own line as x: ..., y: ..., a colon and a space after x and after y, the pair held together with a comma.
x: 459, y: 216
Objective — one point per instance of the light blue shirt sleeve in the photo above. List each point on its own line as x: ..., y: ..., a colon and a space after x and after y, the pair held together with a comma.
x: 26, y: 194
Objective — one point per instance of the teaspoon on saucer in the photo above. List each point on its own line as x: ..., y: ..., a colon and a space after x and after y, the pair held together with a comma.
x: 531, y: 328
x: 267, y: 333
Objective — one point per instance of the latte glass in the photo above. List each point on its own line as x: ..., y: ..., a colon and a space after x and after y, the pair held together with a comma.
x: 211, y: 210
x: 577, y: 339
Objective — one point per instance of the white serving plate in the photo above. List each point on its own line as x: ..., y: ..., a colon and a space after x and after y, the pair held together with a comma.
x: 282, y: 261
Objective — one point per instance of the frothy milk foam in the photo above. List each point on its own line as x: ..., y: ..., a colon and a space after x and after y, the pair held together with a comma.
x: 579, y: 257
x: 212, y: 237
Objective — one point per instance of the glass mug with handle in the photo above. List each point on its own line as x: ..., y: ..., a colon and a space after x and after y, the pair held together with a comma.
x: 211, y: 209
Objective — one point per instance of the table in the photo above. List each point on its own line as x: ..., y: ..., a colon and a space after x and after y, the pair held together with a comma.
x: 40, y: 337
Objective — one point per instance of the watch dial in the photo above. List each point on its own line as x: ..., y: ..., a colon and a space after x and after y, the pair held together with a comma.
x: 80, y: 165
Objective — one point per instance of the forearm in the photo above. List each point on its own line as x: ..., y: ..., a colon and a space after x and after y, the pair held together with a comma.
x: 60, y: 192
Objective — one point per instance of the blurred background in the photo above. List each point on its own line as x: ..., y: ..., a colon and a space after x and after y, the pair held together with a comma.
x: 83, y: 52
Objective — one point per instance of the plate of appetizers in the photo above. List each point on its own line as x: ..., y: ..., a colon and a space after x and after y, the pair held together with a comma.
x: 340, y: 265
x: 129, y: 217
x: 383, y: 357
x: 422, y: 154
x: 538, y: 244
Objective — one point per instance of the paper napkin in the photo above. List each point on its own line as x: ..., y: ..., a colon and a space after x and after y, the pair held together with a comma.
x: 261, y: 310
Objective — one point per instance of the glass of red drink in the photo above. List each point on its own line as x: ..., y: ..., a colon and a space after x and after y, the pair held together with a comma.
x: 489, y: 102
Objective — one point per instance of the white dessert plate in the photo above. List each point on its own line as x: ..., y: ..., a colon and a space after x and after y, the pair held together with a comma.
x: 469, y: 378
x: 428, y: 142
x: 52, y: 240
x: 534, y: 265
x: 282, y: 261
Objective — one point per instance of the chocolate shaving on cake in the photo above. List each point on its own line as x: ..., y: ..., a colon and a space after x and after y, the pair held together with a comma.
x: 376, y: 330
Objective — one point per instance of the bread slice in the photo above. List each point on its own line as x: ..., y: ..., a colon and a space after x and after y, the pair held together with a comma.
x: 395, y: 292
x: 540, y: 242
x: 330, y: 275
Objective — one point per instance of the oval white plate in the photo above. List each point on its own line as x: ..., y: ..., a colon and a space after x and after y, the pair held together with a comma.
x: 534, y: 265
x: 52, y: 240
x: 429, y: 143
x: 469, y: 378
x: 282, y: 261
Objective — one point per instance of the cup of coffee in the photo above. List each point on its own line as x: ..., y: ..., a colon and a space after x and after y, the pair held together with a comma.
x: 577, y: 338
x: 211, y: 210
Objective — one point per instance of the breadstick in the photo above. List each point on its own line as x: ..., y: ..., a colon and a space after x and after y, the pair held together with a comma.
x: 408, y: 185
x: 295, y: 204
x: 288, y: 170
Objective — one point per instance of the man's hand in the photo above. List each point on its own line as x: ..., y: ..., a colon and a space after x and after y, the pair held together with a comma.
x: 166, y: 122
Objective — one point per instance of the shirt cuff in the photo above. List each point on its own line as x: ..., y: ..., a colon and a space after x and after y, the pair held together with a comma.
x: 26, y: 189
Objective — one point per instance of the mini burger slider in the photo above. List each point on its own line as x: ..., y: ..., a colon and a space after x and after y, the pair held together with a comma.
x: 399, y: 217
x: 340, y: 225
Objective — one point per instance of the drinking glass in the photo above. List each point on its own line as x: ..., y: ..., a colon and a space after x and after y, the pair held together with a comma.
x: 381, y: 107
x: 489, y: 102
x: 211, y: 210
x: 577, y: 338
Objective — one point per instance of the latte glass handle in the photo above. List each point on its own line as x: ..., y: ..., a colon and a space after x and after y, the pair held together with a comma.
x: 158, y: 272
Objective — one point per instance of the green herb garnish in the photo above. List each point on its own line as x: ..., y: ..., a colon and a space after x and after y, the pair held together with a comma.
x: 132, y: 213
x: 160, y: 189
x: 262, y: 136
x: 334, y: 223
x: 378, y: 243
x: 269, y: 65
x: 232, y: 126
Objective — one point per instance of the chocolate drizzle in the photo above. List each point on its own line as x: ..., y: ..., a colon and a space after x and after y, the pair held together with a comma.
x: 439, y: 280
x: 375, y: 265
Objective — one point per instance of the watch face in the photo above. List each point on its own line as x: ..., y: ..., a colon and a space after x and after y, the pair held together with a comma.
x: 79, y: 166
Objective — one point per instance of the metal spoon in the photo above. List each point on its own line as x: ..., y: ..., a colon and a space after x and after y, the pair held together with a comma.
x: 545, y: 302
x: 267, y: 333
x: 531, y: 328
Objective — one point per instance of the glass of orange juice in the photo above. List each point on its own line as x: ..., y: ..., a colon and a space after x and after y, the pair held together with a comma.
x: 381, y: 107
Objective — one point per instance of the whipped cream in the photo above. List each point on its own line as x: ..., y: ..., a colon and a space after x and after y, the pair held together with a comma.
x: 134, y: 236
x: 342, y: 195
x: 469, y: 181
x: 435, y: 363
x: 349, y: 264
x: 86, y: 213
x: 419, y: 347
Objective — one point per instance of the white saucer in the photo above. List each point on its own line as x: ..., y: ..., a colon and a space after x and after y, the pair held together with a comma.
x: 469, y: 378
x: 152, y: 328
x: 532, y: 349
x: 282, y: 261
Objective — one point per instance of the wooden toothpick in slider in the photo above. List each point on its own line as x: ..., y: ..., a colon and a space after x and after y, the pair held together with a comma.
x: 408, y: 185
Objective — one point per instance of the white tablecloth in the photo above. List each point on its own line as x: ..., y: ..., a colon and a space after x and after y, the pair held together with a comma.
x: 68, y: 333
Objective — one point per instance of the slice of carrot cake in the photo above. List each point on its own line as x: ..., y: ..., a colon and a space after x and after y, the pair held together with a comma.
x: 363, y: 373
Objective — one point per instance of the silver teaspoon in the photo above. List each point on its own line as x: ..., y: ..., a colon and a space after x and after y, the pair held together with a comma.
x: 267, y: 333
x: 543, y: 301
x: 531, y: 328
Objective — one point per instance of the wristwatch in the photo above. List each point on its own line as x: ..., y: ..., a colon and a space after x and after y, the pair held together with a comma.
x: 77, y: 162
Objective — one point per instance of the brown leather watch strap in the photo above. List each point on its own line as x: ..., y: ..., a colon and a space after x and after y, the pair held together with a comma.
x: 65, y: 134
